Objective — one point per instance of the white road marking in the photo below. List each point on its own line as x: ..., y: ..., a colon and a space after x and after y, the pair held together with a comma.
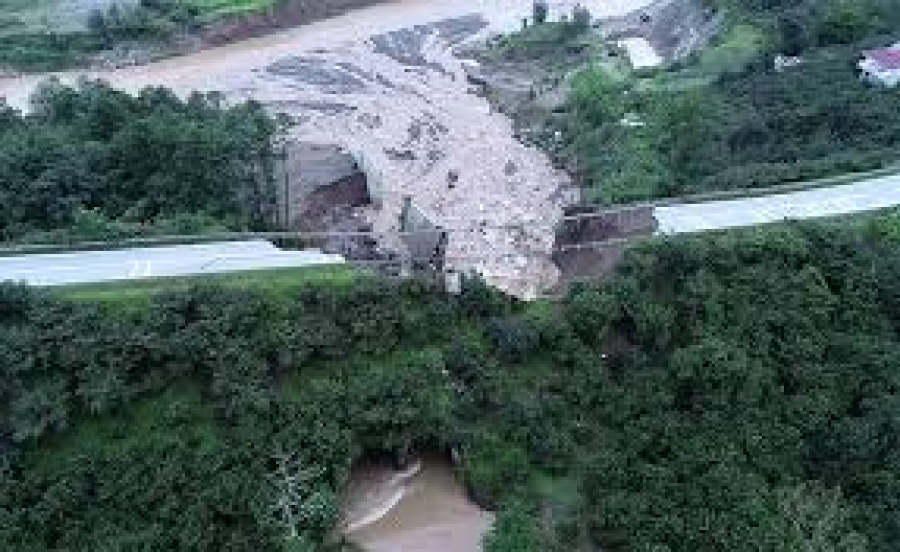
x: 140, y: 269
x: 135, y: 267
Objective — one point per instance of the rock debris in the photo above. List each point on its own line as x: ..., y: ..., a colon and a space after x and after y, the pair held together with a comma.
x: 400, y: 103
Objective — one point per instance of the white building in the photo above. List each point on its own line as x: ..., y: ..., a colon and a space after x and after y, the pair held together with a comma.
x: 882, y: 66
x: 783, y: 62
x: 641, y: 53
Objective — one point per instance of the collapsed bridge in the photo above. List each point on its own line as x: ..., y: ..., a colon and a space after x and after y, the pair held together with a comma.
x: 588, y: 242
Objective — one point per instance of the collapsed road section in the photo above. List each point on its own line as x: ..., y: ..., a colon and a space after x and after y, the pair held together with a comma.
x: 401, y: 104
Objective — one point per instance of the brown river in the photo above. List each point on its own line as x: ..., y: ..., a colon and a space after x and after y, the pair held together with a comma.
x: 421, y: 509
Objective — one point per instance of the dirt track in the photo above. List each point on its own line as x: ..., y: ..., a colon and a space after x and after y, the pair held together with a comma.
x: 383, y: 81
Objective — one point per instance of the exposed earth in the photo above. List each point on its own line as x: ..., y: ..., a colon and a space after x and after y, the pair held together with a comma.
x: 399, y: 101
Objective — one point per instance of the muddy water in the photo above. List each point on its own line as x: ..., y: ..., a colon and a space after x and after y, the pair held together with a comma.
x: 422, y: 509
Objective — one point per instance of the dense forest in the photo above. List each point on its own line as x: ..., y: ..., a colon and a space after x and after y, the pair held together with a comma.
x: 723, y: 392
x: 729, y: 118
x: 94, y: 162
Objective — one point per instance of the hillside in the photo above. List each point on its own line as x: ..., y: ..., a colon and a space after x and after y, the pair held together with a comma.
x: 725, y: 117
x: 727, y: 392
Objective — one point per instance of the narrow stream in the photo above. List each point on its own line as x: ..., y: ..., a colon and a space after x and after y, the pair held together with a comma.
x: 421, y: 509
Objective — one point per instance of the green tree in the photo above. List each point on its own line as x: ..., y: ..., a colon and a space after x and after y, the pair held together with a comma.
x: 516, y: 530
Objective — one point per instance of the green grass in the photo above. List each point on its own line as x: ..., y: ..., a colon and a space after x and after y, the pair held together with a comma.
x: 213, y: 9
x: 274, y: 281
x: 43, y: 35
x: 541, y: 41
x: 736, y: 48
x: 23, y: 4
x: 35, y: 16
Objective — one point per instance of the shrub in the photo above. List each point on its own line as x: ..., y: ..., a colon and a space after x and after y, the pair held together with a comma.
x: 516, y: 530
x: 96, y: 22
x: 494, y: 469
x: 513, y: 338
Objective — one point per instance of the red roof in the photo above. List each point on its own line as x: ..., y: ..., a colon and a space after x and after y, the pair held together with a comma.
x: 887, y: 58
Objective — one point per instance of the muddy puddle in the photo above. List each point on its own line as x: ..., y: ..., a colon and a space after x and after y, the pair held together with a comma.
x: 421, y: 509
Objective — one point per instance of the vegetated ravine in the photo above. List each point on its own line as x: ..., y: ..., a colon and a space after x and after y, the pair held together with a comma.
x: 724, y: 392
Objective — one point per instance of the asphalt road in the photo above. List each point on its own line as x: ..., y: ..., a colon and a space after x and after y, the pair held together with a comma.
x: 871, y: 195
x: 185, y: 260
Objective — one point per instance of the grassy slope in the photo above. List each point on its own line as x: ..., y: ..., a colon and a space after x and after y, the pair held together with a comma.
x: 32, y: 10
x: 732, y: 52
x: 153, y: 422
x: 181, y: 413
x: 212, y: 9
x: 624, y: 165
x: 277, y: 281
x: 707, y: 93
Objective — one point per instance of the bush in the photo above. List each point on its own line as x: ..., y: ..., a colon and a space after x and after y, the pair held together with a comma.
x: 513, y: 338
x: 191, y: 165
x: 756, y: 128
x: 493, y: 468
x: 517, y: 529
x: 96, y: 22
x: 743, y: 360
x: 846, y: 22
